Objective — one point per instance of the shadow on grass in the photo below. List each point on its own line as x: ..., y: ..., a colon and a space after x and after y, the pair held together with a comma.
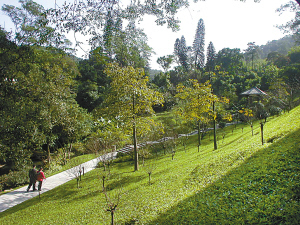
x: 263, y: 190
x: 44, y: 197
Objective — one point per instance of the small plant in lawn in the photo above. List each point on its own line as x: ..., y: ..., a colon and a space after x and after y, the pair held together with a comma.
x: 144, y: 153
x: 112, y: 204
x: 247, y: 115
x: 76, y: 173
x: 106, y: 160
x: 173, y: 154
x: 150, y: 169
x: 104, y: 176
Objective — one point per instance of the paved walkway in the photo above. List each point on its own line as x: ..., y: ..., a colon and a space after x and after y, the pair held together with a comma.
x: 20, y: 195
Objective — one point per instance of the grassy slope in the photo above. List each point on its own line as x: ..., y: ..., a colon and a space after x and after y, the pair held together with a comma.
x: 241, y: 182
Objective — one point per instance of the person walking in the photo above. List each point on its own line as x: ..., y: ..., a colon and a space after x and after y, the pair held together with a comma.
x: 32, y: 178
x: 40, y: 178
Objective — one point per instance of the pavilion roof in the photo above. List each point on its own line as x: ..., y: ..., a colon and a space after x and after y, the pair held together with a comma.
x: 254, y: 91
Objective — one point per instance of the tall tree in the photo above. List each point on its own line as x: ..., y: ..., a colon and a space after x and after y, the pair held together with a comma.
x: 181, y: 52
x: 251, y: 52
x: 165, y: 62
x: 211, y: 57
x: 177, y: 50
x: 230, y: 60
x: 130, y: 98
x: 37, y: 100
x: 199, y: 44
x: 195, y: 102
x: 292, y: 26
x: 32, y: 26
x: 89, y: 17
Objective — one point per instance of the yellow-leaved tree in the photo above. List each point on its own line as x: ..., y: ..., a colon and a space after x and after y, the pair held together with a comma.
x: 196, y: 102
x: 130, y: 99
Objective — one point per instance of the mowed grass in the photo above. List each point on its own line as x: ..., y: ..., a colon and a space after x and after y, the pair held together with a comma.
x: 243, y: 182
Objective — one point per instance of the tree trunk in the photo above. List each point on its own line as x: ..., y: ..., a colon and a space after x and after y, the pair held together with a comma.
x: 199, y: 136
x: 70, y: 149
x: 215, y: 130
x: 262, y: 133
x: 48, y: 150
x: 136, y: 163
x: 135, y: 152
x: 112, y: 217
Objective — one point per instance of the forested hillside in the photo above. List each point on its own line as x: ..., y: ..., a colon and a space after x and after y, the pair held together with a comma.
x: 281, y: 46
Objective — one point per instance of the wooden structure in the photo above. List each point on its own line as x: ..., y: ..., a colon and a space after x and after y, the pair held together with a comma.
x: 254, y: 93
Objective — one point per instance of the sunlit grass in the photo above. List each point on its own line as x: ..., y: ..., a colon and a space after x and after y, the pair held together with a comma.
x: 241, y: 182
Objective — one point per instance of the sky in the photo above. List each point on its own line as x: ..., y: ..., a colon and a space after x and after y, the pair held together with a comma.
x: 228, y: 24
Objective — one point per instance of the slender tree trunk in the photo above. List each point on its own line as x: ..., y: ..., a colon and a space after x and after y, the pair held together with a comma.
x: 49, y: 155
x: 199, y: 136
x: 112, y: 217
x: 215, y: 130
x: 136, y: 156
x: 262, y: 133
x: 70, y: 149
x: 136, y: 163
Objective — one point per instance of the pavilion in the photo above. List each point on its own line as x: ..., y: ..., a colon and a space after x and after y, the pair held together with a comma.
x: 252, y: 93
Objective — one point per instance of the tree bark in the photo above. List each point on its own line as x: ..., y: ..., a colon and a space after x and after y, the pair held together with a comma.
x: 135, y: 152
x: 49, y: 155
x: 199, y: 136
x: 112, y: 217
x: 262, y: 133
x: 215, y: 130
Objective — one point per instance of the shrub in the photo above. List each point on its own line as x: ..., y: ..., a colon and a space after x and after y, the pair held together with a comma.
x: 222, y: 125
x: 275, y: 110
x: 14, y: 179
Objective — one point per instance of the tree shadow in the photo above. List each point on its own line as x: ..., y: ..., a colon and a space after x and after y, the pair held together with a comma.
x: 263, y: 190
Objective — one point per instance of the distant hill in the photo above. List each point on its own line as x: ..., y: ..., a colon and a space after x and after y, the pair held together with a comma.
x: 282, y: 46
x: 153, y: 72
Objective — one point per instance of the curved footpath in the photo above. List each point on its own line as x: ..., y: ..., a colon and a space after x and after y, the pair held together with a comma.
x: 20, y: 195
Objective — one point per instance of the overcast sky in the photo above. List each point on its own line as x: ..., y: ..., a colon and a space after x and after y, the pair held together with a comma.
x: 228, y: 23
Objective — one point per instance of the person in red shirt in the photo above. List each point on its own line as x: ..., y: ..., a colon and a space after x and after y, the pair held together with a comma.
x: 40, y: 178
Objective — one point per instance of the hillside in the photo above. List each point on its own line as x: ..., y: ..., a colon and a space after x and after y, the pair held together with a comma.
x: 282, y: 46
x: 243, y: 182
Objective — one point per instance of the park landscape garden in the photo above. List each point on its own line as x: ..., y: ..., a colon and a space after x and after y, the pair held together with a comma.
x: 198, y: 150
x: 242, y: 182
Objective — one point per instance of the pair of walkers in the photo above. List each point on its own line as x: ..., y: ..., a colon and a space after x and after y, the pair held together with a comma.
x: 34, y: 176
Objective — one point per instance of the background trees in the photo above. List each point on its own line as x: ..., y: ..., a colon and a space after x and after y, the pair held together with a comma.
x: 198, y: 45
x: 181, y: 52
x: 37, y: 99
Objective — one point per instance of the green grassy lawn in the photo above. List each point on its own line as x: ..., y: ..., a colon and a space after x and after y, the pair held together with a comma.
x: 75, y: 161
x: 243, y: 182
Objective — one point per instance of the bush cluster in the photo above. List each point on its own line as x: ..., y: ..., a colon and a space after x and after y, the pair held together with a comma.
x: 14, y: 179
